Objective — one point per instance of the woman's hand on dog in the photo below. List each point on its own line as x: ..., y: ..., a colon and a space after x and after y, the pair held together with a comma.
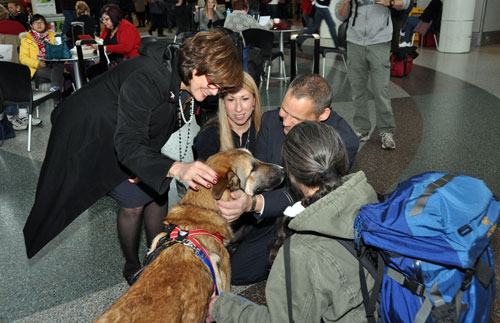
x: 209, y: 318
x: 195, y: 174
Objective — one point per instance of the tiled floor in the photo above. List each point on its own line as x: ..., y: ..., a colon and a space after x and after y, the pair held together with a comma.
x: 447, y: 112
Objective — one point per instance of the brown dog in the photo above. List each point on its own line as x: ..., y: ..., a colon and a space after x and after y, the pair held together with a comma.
x: 177, y: 285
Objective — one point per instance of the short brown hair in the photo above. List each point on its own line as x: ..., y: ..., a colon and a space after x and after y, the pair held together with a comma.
x: 81, y: 7
x: 239, y: 4
x: 313, y: 87
x: 213, y: 54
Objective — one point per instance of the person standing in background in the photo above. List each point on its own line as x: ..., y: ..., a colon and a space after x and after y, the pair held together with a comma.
x: 68, y: 10
x: 156, y: 8
x: 169, y: 15
x: 321, y: 12
x: 369, y: 46
x: 140, y: 12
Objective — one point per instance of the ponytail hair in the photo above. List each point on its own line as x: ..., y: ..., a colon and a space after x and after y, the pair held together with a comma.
x: 314, y: 156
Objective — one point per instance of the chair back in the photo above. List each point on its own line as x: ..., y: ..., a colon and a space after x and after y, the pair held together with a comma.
x: 260, y: 38
x: 77, y: 28
x: 15, y: 42
x: 6, y: 52
x: 15, y: 83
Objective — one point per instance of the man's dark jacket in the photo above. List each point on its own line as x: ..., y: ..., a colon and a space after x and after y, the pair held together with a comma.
x: 111, y: 128
x: 270, y: 141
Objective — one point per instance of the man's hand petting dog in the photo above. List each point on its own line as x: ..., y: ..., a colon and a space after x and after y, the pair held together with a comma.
x: 232, y: 210
x: 196, y: 173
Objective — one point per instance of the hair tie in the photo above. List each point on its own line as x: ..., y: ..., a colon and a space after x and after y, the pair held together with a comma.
x: 329, y: 174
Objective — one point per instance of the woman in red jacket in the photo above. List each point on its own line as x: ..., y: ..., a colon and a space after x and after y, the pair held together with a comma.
x: 121, y: 38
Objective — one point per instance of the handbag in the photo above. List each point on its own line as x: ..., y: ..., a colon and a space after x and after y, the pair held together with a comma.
x: 57, y: 51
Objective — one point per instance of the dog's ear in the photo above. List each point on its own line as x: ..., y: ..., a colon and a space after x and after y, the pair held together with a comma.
x: 229, y: 181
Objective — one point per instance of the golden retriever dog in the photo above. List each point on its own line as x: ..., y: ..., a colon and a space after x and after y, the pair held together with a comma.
x: 177, y: 285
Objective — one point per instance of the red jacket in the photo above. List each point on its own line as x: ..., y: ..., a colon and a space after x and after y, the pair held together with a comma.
x: 128, y: 39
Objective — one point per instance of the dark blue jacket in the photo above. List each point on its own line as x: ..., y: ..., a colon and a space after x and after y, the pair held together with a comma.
x: 269, y: 143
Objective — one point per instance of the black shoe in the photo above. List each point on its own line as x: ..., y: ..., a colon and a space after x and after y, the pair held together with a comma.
x: 129, y: 271
x: 150, y: 32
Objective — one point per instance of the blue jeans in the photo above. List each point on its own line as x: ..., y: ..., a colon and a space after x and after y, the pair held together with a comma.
x: 69, y: 16
x: 411, y: 23
x: 11, y: 110
x: 319, y: 15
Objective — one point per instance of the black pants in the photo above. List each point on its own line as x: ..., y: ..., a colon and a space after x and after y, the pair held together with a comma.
x: 157, y: 23
x: 250, y: 261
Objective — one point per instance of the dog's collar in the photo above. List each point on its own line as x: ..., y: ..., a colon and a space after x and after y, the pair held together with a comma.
x: 176, y: 235
x: 200, y: 207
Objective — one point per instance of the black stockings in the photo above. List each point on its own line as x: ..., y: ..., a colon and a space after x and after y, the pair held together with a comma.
x: 129, y: 230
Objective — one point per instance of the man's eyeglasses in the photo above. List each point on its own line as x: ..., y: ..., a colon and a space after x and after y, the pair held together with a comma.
x: 38, y: 23
x: 211, y: 85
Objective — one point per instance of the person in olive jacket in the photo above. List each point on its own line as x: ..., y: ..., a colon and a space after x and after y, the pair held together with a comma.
x: 325, y: 284
x: 106, y: 139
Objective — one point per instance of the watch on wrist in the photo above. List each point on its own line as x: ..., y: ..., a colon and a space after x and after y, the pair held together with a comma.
x: 254, y: 203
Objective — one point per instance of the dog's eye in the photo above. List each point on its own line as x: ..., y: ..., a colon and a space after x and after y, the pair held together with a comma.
x: 254, y: 166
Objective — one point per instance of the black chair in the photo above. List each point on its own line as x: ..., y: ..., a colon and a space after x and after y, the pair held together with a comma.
x: 341, y: 50
x: 264, y: 39
x: 15, y: 84
x: 148, y: 39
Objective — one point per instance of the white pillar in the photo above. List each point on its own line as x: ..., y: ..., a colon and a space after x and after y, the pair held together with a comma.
x: 456, y: 26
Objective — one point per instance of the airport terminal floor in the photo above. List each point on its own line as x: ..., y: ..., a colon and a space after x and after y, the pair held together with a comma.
x: 447, y: 113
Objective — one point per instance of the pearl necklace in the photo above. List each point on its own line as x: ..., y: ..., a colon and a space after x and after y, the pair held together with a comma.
x: 186, y: 122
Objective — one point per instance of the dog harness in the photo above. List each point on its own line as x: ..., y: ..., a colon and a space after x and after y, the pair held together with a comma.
x: 176, y: 235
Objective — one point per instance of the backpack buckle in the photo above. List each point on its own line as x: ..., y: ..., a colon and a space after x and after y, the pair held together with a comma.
x: 469, y: 273
x: 414, y: 286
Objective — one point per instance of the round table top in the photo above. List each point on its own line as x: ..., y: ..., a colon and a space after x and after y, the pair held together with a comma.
x: 293, y: 29
x: 74, y: 57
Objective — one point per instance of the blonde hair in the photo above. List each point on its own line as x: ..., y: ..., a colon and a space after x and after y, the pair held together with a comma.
x: 4, y: 13
x: 81, y: 7
x: 225, y: 135
x: 206, y: 8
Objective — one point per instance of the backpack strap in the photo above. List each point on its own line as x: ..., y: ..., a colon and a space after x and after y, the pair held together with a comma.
x: 421, y: 202
x: 288, y: 280
x: 374, y: 268
x: 412, y: 285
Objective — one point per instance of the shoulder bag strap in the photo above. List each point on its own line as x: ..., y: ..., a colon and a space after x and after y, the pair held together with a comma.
x: 288, y: 279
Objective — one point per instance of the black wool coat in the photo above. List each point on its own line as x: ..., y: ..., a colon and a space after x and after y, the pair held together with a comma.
x: 110, y: 129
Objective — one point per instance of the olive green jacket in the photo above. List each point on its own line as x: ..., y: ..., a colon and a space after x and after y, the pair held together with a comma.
x: 324, y: 275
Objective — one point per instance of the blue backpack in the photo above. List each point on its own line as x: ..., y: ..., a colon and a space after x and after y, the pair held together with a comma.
x: 431, y: 238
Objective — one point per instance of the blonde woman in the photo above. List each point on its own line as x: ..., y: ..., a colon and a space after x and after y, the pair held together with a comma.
x: 208, y: 15
x: 83, y: 15
x: 236, y: 126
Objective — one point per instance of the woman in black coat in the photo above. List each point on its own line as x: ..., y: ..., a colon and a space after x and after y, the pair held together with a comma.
x: 107, y: 137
